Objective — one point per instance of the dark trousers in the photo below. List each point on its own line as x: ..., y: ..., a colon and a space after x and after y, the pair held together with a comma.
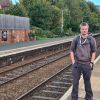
x: 78, y: 69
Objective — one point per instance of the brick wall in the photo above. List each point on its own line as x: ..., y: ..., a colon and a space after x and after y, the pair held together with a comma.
x: 14, y: 36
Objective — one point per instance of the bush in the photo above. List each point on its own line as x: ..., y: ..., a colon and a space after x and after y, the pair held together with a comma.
x: 70, y: 32
x: 31, y: 36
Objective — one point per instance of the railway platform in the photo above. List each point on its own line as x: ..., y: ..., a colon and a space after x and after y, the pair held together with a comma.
x: 4, y: 47
x: 95, y: 82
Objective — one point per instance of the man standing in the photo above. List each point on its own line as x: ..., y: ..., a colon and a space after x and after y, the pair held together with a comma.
x: 83, y: 53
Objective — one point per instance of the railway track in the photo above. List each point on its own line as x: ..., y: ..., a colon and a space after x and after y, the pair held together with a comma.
x: 34, y: 58
x: 51, y: 89
x: 15, y: 73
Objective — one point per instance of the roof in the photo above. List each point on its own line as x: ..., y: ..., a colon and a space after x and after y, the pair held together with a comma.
x: 13, y: 22
x: 4, y: 3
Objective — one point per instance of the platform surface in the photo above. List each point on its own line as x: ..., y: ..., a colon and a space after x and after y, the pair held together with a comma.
x: 5, y: 46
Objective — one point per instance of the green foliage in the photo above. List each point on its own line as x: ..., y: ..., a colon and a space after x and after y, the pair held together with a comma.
x: 57, y: 31
x: 14, y: 10
x: 48, y: 34
x: 45, y: 16
x: 41, y: 38
x: 70, y: 32
x: 94, y: 22
x: 75, y: 13
x: 31, y: 36
x: 39, y: 32
x: 85, y: 11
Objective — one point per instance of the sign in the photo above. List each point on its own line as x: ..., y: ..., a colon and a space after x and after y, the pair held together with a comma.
x: 4, y: 35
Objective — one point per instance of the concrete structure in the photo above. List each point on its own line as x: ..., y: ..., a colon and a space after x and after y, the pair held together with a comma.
x: 13, y: 29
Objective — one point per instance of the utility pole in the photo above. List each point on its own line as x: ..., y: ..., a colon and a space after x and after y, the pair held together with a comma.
x: 62, y: 21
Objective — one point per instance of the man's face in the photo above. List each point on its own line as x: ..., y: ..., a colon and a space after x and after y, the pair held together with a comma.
x: 84, y: 30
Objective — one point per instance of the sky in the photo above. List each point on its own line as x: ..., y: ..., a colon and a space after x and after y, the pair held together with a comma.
x: 14, y: 1
x: 96, y: 2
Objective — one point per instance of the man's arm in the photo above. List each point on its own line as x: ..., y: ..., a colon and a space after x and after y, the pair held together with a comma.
x: 93, y: 57
x: 94, y: 49
x: 72, y: 57
x: 72, y: 51
x: 92, y: 60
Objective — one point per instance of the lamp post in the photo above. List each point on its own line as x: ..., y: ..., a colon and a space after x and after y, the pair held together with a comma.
x: 62, y: 22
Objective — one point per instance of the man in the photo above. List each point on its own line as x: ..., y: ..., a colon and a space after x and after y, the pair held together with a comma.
x: 83, y: 53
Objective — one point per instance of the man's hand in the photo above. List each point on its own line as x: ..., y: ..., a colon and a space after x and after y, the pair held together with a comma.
x: 72, y: 57
x: 92, y: 65
x: 73, y: 61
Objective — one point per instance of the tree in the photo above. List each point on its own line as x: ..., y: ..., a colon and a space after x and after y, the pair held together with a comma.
x: 75, y: 13
x: 42, y: 14
x: 85, y: 11
x: 92, y: 6
x: 26, y: 5
x: 14, y: 10
x: 94, y: 22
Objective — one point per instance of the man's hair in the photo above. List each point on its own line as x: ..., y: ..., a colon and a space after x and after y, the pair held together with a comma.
x: 84, y: 24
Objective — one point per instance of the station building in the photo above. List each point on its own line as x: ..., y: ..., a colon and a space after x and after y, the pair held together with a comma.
x: 13, y: 29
